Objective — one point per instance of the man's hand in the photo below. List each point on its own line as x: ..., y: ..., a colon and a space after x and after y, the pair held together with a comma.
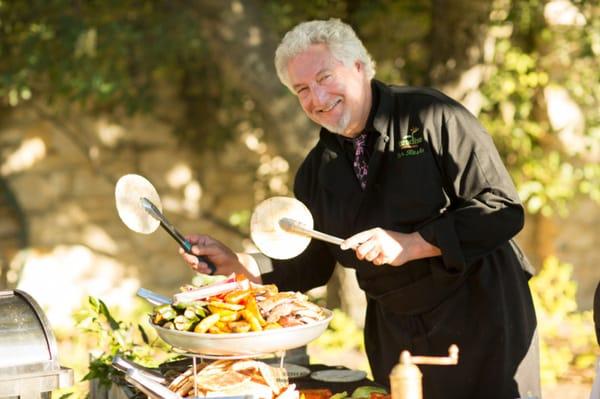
x: 225, y: 260
x: 381, y: 247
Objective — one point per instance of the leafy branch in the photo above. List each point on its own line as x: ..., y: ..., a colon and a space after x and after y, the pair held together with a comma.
x: 115, y: 337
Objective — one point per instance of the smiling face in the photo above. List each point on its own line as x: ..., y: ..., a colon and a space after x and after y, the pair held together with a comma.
x: 336, y: 96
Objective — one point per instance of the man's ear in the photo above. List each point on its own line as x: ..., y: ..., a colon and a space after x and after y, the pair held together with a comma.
x: 358, y: 65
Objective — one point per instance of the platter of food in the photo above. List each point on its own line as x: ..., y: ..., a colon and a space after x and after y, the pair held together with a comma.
x: 234, y: 317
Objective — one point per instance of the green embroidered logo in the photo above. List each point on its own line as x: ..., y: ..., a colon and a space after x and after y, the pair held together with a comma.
x: 411, y: 144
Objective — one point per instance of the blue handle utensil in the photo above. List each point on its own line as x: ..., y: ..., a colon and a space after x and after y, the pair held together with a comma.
x: 153, y: 211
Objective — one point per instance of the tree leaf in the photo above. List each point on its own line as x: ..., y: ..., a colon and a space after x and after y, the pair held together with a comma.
x: 144, y: 334
x: 114, y: 325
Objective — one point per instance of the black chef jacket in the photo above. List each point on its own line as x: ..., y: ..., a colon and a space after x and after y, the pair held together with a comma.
x: 435, y: 170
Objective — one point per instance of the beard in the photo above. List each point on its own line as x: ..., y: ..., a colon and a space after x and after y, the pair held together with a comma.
x: 341, y: 125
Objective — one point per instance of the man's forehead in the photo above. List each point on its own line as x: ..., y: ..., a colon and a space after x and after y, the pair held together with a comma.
x: 312, y: 61
x: 314, y: 53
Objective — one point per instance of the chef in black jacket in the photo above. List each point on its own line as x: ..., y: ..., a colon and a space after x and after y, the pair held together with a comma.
x: 416, y: 184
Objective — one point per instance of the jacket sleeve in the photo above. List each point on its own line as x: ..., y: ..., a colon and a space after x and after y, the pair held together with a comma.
x: 485, y: 210
x: 312, y: 268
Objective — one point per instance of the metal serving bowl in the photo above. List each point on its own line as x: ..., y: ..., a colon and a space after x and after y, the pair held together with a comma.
x: 242, y: 344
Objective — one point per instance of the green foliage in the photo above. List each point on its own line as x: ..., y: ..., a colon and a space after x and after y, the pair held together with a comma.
x: 555, y: 291
x: 118, y: 57
x: 567, y: 339
x: 91, y: 52
x: 528, y: 58
x: 114, y: 337
x: 240, y: 218
x: 341, y: 335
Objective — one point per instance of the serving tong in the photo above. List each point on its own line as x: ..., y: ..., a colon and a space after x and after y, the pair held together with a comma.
x: 139, y: 207
x: 153, y: 211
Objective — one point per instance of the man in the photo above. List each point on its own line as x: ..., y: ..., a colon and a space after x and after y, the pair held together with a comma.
x: 415, y: 182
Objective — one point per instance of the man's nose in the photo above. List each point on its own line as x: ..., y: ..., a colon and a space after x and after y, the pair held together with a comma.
x: 319, y: 96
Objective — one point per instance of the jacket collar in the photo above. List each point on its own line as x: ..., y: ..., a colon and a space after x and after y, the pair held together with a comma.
x: 383, y: 114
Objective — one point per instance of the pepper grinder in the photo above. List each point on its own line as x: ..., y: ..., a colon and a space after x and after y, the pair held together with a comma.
x: 405, y: 378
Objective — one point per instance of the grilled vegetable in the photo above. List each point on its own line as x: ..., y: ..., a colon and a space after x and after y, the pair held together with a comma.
x: 239, y: 326
x: 199, y: 308
x: 365, y: 392
x: 183, y: 323
x: 250, y: 318
x: 163, y: 313
x: 225, y: 305
x: 237, y: 296
x: 206, y: 323
x: 170, y: 325
x: 253, y: 309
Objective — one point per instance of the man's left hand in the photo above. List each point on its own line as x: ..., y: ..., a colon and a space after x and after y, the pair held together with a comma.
x: 381, y: 247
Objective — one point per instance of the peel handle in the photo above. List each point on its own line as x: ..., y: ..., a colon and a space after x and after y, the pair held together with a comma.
x: 294, y: 226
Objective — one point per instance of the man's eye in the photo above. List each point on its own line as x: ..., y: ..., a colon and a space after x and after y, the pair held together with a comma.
x: 325, y: 78
x: 301, y: 90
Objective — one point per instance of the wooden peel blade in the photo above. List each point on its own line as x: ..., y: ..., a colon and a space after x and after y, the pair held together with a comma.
x: 269, y: 237
x: 282, y: 227
x: 128, y: 191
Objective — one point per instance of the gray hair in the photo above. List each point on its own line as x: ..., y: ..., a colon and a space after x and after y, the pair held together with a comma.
x: 339, y: 37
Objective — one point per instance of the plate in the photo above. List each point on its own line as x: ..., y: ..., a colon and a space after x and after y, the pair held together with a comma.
x: 250, y: 343
x: 335, y: 375
x: 295, y: 371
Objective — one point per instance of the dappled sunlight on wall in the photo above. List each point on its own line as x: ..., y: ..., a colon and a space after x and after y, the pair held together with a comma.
x: 97, y: 238
x: 191, y: 198
x: 31, y: 151
x: 251, y: 139
x: 109, y: 133
x: 180, y: 177
x: 567, y: 119
x: 61, y: 279
x: 563, y: 12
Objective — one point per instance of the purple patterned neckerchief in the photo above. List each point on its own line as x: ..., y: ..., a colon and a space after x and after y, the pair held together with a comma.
x: 360, y: 163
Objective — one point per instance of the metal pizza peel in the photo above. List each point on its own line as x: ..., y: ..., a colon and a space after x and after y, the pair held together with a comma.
x: 139, y: 207
x: 281, y: 228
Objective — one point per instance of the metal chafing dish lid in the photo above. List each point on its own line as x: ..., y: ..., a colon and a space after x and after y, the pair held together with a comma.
x: 27, y: 344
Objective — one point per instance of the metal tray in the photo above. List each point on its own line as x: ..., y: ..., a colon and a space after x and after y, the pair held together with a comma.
x: 250, y: 343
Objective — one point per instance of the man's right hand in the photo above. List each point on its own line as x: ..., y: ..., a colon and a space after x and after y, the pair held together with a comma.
x: 225, y: 260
